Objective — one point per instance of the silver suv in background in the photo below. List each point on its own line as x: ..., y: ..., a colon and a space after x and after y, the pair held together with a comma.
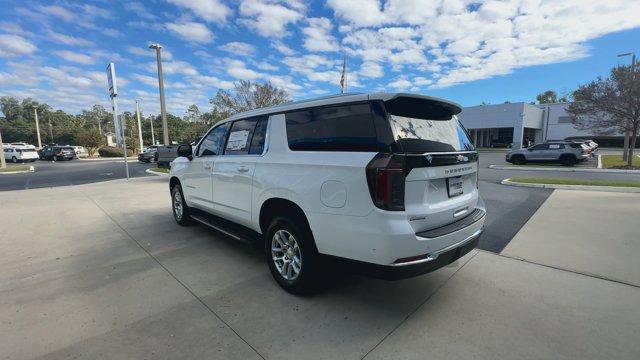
x: 566, y: 153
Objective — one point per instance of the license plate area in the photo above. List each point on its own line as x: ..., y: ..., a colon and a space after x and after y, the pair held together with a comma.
x: 455, y: 186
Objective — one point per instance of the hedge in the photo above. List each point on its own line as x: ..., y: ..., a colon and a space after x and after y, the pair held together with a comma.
x: 110, y: 151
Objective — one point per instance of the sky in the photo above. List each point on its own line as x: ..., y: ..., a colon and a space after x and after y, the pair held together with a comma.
x: 470, y: 52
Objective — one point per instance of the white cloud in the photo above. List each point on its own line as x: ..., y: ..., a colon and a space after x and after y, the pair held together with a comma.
x: 457, y: 43
x: 139, y: 9
x: 400, y: 83
x: 371, y: 69
x: 239, y: 70
x: 67, y: 39
x: 266, y: 66
x: 76, y: 57
x: 192, y: 31
x: 239, y: 48
x: 318, y: 35
x: 14, y: 45
x: 146, y: 79
x: 281, y: 47
x: 173, y: 67
x: 57, y: 11
x: 14, y: 29
x: 270, y: 19
x: 209, y: 10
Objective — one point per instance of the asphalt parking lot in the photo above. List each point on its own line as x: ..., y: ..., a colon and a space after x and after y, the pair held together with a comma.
x: 73, y: 172
x: 112, y: 276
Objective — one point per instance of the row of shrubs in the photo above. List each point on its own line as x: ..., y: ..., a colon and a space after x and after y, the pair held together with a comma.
x: 110, y: 151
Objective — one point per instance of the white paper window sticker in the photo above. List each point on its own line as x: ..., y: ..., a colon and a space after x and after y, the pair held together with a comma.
x: 238, y: 140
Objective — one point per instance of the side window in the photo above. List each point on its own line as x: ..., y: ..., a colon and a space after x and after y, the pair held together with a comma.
x: 257, y: 142
x: 555, y: 146
x: 337, y: 128
x: 540, y: 147
x: 239, y: 140
x: 214, y: 142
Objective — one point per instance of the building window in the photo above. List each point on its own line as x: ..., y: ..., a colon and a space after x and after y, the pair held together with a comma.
x: 564, y: 119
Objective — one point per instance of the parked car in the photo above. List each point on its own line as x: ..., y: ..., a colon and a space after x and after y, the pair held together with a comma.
x: 566, y: 153
x: 150, y: 148
x: 20, y: 154
x: 165, y: 154
x: 55, y: 152
x: 80, y: 151
x: 151, y: 155
x: 386, y: 183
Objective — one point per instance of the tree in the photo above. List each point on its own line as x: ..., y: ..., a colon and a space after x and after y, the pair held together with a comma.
x: 247, y: 96
x: 547, y: 97
x: 609, y: 104
x: 91, y: 139
x: 193, y: 113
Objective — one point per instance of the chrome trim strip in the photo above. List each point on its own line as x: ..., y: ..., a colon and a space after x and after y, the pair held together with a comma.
x: 433, y: 256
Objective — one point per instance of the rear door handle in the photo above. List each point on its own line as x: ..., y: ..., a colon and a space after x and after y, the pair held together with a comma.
x: 207, y: 165
x: 243, y: 168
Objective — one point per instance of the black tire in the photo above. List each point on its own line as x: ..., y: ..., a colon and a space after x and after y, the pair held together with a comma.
x: 14, y: 160
x: 180, y: 215
x: 568, y: 160
x: 519, y: 160
x: 307, y: 281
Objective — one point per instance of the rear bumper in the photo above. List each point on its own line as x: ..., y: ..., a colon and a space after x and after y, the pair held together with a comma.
x: 388, y: 239
x: 416, y: 268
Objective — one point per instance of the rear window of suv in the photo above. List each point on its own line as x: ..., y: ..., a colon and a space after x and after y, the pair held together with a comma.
x: 348, y: 127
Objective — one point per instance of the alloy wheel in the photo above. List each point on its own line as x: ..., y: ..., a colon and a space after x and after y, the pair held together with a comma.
x: 286, y: 254
x: 178, y: 207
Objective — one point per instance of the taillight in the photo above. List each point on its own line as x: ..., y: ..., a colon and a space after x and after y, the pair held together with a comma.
x: 385, y: 176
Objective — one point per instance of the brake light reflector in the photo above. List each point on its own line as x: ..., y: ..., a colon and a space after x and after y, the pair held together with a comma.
x: 386, y: 180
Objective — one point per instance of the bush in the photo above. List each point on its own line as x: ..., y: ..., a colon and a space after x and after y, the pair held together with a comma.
x: 90, y: 139
x: 110, y: 151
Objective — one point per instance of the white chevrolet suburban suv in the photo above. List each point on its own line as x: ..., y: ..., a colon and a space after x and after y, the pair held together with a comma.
x: 387, y: 183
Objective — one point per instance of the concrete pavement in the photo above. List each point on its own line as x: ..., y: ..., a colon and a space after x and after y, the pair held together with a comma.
x: 103, y: 271
x: 589, y: 232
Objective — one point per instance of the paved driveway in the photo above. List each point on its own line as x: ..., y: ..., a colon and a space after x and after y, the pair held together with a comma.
x: 102, y: 271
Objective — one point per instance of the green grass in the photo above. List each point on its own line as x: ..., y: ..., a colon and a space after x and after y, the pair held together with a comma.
x: 576, y: 182
x: 612, y: 161
x: 13, y: 168
x: 162, y: 170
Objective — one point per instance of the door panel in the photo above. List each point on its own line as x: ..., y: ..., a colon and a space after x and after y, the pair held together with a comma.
x: 232, y: 183
x: 198, y: 181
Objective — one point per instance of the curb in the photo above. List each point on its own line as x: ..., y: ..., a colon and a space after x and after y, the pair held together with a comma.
x: 561, y: 169
x: 619, y: 189
x: 157, y: 173
x: 31, y: 169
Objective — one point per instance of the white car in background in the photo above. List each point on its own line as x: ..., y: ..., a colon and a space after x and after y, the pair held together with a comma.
x: 81, y: 152
x: 17, y: 154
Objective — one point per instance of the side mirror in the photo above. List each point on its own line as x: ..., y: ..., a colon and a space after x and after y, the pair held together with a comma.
x: 185, y: 150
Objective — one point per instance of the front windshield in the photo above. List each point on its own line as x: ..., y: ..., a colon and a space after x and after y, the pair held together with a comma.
x: 425, y: 135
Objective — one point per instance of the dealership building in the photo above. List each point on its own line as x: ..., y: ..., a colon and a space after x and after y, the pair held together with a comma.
x: 519, y: 123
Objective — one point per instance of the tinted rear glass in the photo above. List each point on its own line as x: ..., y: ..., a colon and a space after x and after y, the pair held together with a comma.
x: 347, y: 127
x: 417, y: 135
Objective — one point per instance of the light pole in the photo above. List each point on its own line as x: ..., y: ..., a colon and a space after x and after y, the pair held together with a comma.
x: 139, y: 125
x: 35, y: 112
x: 153, y: 136
x: 163, y: 110
x: 627, y: 134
